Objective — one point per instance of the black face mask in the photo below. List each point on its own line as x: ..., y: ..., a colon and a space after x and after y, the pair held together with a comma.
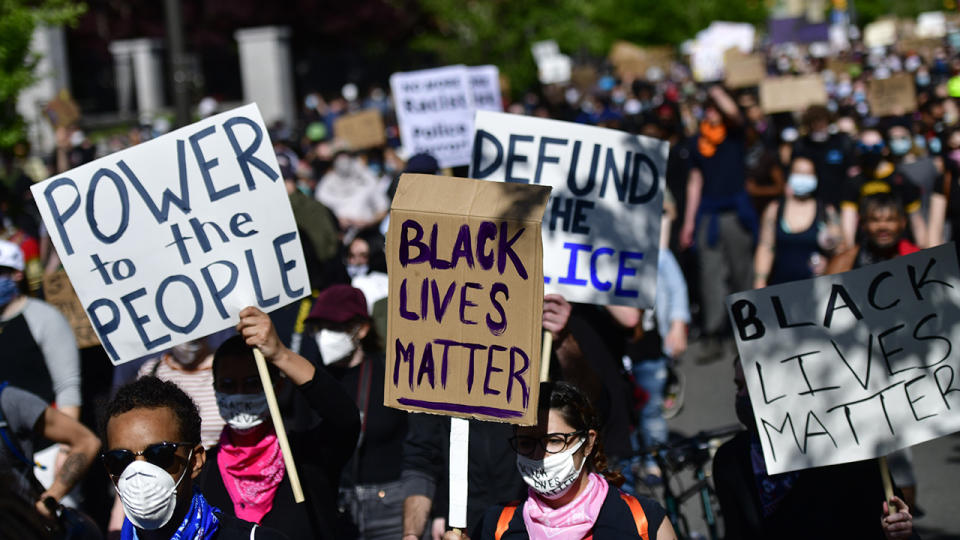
x: 744, y: 410
x: 869, y: 162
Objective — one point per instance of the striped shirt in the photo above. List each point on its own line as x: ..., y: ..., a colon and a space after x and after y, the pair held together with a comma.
x: 196, y: 384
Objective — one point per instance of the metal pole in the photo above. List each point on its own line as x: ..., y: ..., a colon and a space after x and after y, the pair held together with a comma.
x: 181, y: 92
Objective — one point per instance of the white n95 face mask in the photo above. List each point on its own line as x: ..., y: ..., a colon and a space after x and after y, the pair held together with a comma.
x: 553, y: 475
x: 242, y: 411
x: 148, y: 494
x: 334, y: 346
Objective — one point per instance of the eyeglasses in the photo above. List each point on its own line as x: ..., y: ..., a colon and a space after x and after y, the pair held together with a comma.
x: 161, y: 454
x: 551, y: 443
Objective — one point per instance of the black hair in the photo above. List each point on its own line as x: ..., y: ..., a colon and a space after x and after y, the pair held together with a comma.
x: 878, y: 201
x: 153, y: 393
x: 236, y: 347
x: 576, y: 410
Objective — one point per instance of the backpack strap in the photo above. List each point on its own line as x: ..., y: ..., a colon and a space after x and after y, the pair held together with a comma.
x: 503, y: 522
x: 638, y: 516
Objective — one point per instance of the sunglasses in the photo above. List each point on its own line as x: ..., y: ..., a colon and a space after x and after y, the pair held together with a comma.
x: 162, y: 454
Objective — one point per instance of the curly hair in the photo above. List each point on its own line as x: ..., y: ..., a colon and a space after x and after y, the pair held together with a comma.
x: 576, y: 410
x: 152, y: 393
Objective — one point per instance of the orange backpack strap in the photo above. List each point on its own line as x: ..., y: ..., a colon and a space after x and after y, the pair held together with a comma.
x: 506, y: 515
x: 638, y: 515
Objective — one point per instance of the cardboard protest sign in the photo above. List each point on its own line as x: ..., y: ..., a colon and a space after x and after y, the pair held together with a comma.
x: 853, y: 366
x: 789, y: 94
x: 882, y: 33
x: 361, y: 130
x: 59, y: 293
x: 633, y: 61
x: 62, y: 111
x: 466, y: 287
x: 168, y: 240
x: 743, y: 71
x: 435, y: 113
x: 893, y: 96
x: 602, y: 227
x: 485, y: 82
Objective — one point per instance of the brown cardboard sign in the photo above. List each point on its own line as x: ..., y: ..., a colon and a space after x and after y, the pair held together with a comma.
x: 62, y: 111
x: 59, y: 293
x: 465, y: 262
x: 743, y: 71
x: 361, y: 130
x: 633, y: 60
x: 789, y: 94
x: 894, y: 96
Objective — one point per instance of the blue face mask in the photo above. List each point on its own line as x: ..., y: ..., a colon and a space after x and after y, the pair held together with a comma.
x: 8, y: 290
x: 900, y: 147
x: 802, y: 184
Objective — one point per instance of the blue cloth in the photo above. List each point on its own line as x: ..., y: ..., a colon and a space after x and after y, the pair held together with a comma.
x: 651, y: 375
x: 672, y: 301
x: 739, y: 203
x: 200, y: 523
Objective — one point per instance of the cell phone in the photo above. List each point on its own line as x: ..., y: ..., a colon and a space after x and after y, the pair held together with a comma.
x: 51, y: 504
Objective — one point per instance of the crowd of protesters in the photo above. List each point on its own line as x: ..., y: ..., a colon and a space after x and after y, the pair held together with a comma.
x: 752, y: 200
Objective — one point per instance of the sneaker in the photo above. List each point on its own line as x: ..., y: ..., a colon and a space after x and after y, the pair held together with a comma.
x: 673, y: 393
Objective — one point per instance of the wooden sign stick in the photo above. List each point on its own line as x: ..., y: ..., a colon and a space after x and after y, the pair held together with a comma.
x: 545, y: 355
x: 887, y: 484
x: 278, y: 425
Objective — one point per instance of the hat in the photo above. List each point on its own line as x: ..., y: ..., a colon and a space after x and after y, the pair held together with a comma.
x: 338, y: 304
x: 422, y: 164
x: 11, y: 256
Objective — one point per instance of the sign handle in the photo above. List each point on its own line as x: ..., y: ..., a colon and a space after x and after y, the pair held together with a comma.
x: 278, y: 426
x: 887, y: 484
x: 459, y: 449
x: 545, y: 356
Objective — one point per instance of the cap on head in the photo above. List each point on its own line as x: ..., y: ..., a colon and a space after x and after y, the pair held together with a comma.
x: 11, y: 256
x: 339, y: 304
x: 422, y: 164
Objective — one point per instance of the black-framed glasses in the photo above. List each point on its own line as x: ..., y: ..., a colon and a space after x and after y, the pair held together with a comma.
x: 551, y: 443
x: 161, y: 454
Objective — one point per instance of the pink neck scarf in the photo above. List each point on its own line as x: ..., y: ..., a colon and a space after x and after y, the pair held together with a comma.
x: 574, y: 520
x: 251, y: 466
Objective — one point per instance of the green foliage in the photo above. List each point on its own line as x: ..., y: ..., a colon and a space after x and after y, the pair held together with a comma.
x: 18, y: 19
x: 477, y: 32
x: 870, y: 10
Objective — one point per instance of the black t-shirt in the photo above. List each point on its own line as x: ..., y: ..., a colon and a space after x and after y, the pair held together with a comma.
x: 895, y: 183
x: 725, y: 171
x: 832, y: 159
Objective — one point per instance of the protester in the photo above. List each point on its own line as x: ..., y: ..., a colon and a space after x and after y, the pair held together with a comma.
x: 832, y: 155
x: 371, y: 495
x: 352, y: 193
x: 797, y: 233
x: 27, y: 423
x: 838, y: 501
x: 153, y: 455
x: 884, y: 224
x: 245, y: 474
x: 570, y: 492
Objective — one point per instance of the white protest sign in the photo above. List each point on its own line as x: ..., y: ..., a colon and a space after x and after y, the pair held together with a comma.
x: 485, y: 82
x: 931, y: 24
x: 601, y: 229
x: 167, y: 241
x: 555, y: 69
x: 544, y: 49
x: 853, y: 366
x: 435, y: 113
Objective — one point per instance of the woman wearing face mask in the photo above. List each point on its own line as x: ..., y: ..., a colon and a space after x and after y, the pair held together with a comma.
x: 245, y: 473
x: 571, y: 495
x: 371, y: 501
x: 796, y: 232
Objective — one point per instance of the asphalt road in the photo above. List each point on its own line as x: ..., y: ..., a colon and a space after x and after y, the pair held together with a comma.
x: 709, y: 404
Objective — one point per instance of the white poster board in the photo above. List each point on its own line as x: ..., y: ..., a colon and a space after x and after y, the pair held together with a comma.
x: 435, y: 113
x: 485, y: 82
x: 167, y: 241
x: 853, y: 366
x: 601, y: 229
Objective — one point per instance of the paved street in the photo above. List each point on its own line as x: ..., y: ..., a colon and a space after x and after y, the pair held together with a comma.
x: 709, y: 404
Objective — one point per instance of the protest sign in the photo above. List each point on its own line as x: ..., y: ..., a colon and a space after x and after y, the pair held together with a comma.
x: 167, y: 241
x: 789, y: 94
x: 602, y: 227
x: 485, y: 82
x: 882, y: 33
x: 931, y: 24
x: 852, y: 366
x: 706, y: 60
x: 361, y: 130
x: 743, y: 71
x: 62, y: 111
x: 435, y: 113
x: 59, y: 293
x: 894, y: 96
x: 466, y: 281
x: 633, y: 61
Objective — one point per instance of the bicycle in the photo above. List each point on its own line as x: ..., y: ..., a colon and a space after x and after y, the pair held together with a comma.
x: 693, y: 453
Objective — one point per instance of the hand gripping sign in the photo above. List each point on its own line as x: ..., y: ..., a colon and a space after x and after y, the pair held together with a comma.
x: 853, y: 366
